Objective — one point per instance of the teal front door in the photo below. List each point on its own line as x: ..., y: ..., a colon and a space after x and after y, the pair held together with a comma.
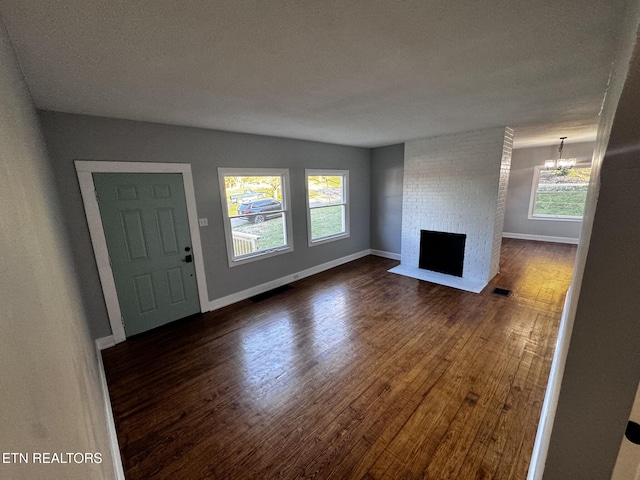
x: 146, y: 227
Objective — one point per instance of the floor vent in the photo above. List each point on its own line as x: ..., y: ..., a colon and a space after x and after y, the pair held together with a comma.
x: 271, y: 293
x: 502, y: 292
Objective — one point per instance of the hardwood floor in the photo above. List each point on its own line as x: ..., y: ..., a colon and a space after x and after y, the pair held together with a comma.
x: 352, y: 373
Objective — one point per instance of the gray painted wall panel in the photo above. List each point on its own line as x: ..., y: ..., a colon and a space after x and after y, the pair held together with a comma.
x: 51, y: 395
x: 387, y: 172
x: 602, y: 367
x: 76, y: 137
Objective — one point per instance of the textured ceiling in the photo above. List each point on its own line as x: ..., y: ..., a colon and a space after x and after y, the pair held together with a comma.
x: 365, y: 73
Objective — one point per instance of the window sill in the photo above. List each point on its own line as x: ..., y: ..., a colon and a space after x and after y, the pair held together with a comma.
x: 332, y: 238
x: 555, y: 218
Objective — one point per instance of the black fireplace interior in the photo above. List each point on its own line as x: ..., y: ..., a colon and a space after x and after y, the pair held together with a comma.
x: 442, y: 252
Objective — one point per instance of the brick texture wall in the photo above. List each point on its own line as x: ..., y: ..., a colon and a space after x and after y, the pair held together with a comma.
x: 458, y: 184
x: 503, y: 184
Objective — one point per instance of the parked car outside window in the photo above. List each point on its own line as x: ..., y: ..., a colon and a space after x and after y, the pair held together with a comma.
x: 260, y: 210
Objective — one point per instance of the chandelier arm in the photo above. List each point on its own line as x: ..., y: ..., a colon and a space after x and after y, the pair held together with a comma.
x: 560, y: 163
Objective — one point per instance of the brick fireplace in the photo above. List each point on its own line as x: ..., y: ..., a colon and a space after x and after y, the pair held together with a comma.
x: 456, y: 184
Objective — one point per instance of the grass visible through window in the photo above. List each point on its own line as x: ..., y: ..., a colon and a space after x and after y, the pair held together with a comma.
x: 270, y: 232
x: 327, y: 221
x: 559, y: 202
x: 257, y: 211
x: 561, y: 194
x: 327, y: 203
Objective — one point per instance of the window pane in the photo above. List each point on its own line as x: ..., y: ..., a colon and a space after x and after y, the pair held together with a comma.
x: 562, y: 193
x: 255, y: 210
x: 245, y: 190
x: 251, y: 237
x: 325, y: 190
x: 327, y: 221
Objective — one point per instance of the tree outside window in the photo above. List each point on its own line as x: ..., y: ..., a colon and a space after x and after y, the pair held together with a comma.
x: 256, y: 211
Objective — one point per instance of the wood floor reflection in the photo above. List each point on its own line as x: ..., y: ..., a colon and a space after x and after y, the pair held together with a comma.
x: 352, y: 373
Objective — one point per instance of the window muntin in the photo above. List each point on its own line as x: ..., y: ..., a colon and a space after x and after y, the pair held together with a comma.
x: 559, y: 195
x: 327, y: 205
x: 257, y: 219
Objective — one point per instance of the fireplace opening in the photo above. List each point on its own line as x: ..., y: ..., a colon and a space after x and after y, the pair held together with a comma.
x: 442, y: 252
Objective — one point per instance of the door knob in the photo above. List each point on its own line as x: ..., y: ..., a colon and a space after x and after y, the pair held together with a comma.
x: 188, y: 258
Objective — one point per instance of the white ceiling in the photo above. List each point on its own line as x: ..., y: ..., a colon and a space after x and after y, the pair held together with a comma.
x: 352, y: 72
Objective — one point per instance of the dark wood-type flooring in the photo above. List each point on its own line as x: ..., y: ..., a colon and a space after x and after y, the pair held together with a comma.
x: 352, y: 373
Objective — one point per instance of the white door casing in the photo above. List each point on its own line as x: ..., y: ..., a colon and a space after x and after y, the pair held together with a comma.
x: 85, y: 170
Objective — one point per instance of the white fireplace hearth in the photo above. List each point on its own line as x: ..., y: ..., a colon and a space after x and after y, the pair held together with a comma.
x: 452, y: 281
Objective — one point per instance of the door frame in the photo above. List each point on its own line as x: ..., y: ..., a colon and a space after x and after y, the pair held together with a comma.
x: 85, y: 170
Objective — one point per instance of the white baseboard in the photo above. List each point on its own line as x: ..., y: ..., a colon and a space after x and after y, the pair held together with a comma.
x: 105, y: 342
x: 111, y: 424
x: 109, y: 341
x: 552, y: 394
x: 541, y: 238
x: 265, y: 287
x: 382, y: 253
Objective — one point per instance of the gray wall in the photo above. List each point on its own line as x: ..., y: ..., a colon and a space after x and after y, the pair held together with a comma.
x: 51, y: 396
x: 602, y: 367
x: 523, y: 161
x: 387, y: 171
x: 76, y: 137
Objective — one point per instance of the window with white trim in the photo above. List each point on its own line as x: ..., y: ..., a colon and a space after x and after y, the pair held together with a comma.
x: 256, y: 213
x: 327, y: 205
x: 559, y: 194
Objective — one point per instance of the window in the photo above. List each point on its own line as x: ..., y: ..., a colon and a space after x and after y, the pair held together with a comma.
x: 256, y: 211
x: 327, y: 205
x: 559, y: 194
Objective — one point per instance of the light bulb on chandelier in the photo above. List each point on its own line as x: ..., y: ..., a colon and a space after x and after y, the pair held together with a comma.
x: 560, y: 163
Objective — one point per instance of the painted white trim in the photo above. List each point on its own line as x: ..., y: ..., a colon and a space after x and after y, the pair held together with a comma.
x: 105, y: 342
x: 555, y: 218
x: 534, y: 192
x: 85, y: 170
x: 92, y: 212
x: 552, y: 394
x: 114, y: 446
x: 345, y: 197
x: 285, y: 187
x: 265, y: 287
x: 541, y: 238
x: 382, y: 253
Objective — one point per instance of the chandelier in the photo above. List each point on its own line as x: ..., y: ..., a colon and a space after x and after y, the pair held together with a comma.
x: 561, y: 163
